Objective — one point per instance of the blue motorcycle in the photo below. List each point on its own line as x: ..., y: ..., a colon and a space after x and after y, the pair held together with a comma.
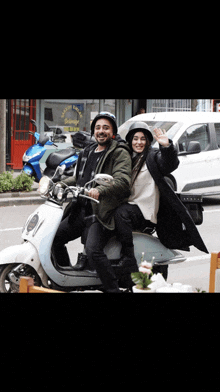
x: 31, y: 158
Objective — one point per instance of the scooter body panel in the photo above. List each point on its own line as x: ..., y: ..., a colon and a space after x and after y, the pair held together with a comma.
x: 28, y: 169
x: 35, y: 149
x: 40, y: 230
x: 36, y: 152
x: 25, y: 253
x: 32, y: 167
x: 69, y: 161
x: 150, y: 245
x: 43, y: 222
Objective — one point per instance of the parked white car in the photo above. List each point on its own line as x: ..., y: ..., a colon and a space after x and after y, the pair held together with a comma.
x: 197, y: 138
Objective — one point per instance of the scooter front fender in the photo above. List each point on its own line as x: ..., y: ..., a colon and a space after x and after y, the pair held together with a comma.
x: 25, y: 253
x: 28, y: 170
x: 32, y: 171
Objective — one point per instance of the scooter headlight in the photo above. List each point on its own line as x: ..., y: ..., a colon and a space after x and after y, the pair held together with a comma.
x: 45, y: 185
x: 27, y: 158
x: 58, y: 191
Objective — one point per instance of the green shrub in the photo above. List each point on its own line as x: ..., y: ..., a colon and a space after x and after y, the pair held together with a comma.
x: 22, y: 182
x: 6, y: 182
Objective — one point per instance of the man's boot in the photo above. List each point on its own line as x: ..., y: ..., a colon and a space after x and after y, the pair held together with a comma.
x: 128, y: 264
x: 81, y: 262
x: 128, y: 261
x: 106, y: 273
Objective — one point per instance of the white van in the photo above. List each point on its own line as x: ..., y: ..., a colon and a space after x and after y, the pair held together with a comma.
x: 196, y: 136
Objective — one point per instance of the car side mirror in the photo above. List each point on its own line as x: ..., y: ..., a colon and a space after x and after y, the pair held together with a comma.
x: 193, y: 148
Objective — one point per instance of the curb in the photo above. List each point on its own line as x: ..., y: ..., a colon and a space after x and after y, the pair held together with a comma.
x: 7, y: 202
x: 18, y: 194
x: 17, y: 199
x: 21, y: 198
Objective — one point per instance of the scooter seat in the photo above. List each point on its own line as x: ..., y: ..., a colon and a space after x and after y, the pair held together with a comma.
x: 56, y: 158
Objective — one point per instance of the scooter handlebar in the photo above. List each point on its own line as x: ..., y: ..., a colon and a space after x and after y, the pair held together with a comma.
x: 90, y: 198
x: 76, y: 192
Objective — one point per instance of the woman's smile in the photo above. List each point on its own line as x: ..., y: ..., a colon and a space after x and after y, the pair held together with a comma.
x: 139, y: 142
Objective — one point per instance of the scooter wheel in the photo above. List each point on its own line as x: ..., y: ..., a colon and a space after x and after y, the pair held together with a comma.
x: 9, y: 286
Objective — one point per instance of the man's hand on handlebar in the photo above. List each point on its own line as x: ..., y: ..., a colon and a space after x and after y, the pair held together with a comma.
x: 94, y: 193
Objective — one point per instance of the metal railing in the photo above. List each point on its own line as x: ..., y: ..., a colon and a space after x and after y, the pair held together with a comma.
x: 169, y: 105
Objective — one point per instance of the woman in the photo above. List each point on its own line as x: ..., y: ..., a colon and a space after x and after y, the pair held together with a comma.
x: 152, y: 202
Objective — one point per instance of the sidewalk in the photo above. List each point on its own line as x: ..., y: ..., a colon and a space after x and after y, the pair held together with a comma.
x: 21, y: 198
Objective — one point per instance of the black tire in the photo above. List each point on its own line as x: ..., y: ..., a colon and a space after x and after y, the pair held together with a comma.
x: 7, y: 286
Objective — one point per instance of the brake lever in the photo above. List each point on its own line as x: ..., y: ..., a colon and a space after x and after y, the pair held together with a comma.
x: 90, y: 198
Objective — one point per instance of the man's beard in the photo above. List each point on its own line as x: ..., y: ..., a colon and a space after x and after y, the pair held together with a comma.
x: 105, y: 142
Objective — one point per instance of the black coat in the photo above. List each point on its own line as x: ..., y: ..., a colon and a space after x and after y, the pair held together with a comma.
x: 175, y: 227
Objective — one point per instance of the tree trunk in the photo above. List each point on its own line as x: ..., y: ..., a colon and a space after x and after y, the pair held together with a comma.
x: 2, y: 135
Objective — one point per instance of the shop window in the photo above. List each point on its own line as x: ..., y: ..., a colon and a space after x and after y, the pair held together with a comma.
x: 74, y: 115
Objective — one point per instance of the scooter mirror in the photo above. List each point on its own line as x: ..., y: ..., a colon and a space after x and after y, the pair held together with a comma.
x: 104, y: 179
x: 59, y: 170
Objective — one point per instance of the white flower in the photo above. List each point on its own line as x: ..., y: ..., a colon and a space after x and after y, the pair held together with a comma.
x: 146, y: 264
x: 145, y: 270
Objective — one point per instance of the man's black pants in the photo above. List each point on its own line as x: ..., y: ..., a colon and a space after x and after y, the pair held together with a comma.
x: 97, y: 238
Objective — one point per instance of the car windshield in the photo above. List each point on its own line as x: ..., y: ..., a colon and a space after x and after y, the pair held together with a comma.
x: 170, y: 127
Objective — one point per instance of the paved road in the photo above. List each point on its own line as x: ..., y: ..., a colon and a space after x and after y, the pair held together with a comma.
x: 194, y: 271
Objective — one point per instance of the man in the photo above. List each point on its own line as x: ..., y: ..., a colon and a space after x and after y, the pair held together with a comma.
x: 109, y: 157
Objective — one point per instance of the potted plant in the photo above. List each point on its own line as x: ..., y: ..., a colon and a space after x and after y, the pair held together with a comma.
x: 142, y: 279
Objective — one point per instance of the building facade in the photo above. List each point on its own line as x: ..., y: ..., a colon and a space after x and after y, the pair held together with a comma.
x: 77, y: 114
x: 167, y: 105
x: 70, y: 114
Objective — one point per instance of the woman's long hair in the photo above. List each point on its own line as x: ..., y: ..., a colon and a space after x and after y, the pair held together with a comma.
x: 138, y: 160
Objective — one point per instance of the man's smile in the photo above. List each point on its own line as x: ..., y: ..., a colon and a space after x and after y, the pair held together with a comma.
x: 103, y: 132
x: 102, y: 136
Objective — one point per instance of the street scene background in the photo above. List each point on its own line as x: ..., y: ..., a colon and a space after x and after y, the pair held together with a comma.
x: 194, y: 271
x: 67, y: 116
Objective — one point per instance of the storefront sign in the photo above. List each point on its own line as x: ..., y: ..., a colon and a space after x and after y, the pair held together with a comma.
x: 79, y: 107
x: 69, y: 121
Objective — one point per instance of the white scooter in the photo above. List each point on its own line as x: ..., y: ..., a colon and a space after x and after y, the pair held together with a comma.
x: 33, y: 256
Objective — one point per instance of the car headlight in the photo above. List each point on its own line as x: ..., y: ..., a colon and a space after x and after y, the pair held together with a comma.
x: 45, y: 185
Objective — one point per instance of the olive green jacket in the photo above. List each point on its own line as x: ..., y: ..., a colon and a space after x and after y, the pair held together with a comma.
x: 117, y: 163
